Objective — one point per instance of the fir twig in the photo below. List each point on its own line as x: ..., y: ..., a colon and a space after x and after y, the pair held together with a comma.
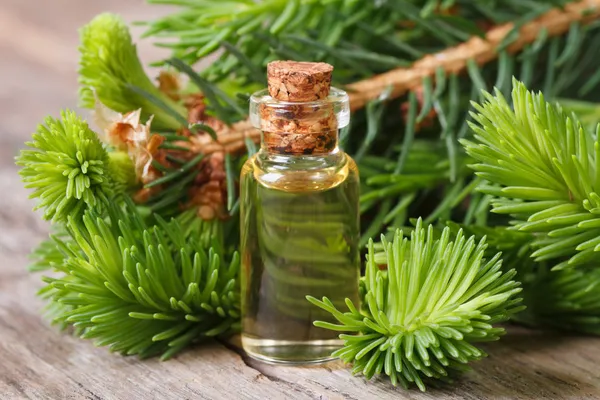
x: 421, y: 315
x: 68, y: 167
x: 111, y: 72
x: 142, y: 289
x: 546, y: 164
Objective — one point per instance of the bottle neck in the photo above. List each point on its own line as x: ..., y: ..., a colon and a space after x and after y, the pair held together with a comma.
x: 278, y: 163
x: 300, y: 143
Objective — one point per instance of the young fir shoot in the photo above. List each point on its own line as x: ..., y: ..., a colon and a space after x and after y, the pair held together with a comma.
x: 111, y: 71
x: 547, y: 167
x: 67, y: 166
x: 421, y: 315
x: 142, y: 289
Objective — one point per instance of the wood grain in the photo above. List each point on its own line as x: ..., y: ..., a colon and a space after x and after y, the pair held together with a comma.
x: 38, y: 51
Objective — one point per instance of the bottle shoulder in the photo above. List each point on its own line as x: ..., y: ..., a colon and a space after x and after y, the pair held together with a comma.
x: 301, y: 173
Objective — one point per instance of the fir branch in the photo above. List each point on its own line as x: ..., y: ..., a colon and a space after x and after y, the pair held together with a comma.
x: 111, y: 71
x: 360, y: 37
x: 143, y: 289
x: 503, y: 40
x: 68, y: 167
x: 445, y: 103
x: 421, y: 315
x: 483, y: 50
x: 547, y: 166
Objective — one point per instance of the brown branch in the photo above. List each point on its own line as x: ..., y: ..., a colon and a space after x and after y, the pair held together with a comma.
x: 231, y: 139
x: 452, y: 60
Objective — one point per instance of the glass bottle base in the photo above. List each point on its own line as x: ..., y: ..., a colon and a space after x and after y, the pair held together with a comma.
x: 290, y: 352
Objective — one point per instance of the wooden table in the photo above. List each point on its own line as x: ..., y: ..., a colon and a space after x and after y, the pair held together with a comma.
x: 38, y: 61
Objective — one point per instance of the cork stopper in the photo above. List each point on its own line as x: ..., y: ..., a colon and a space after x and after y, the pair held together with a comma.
x: 295, y: 81
x: 300, y: 113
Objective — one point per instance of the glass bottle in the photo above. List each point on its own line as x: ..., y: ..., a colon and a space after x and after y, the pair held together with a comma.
x: 299, y: 216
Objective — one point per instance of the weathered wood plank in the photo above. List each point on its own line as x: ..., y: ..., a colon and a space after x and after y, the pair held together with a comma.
x: 525, y: 364
x: 20, y: 228
x: 40, y: 363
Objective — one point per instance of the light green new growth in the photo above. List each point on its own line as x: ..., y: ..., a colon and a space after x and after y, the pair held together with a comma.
x: 111, y: 70
x: 421, y: 315
x: 67, y: 166
x: 547, y: 165
x: 141, y: 289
